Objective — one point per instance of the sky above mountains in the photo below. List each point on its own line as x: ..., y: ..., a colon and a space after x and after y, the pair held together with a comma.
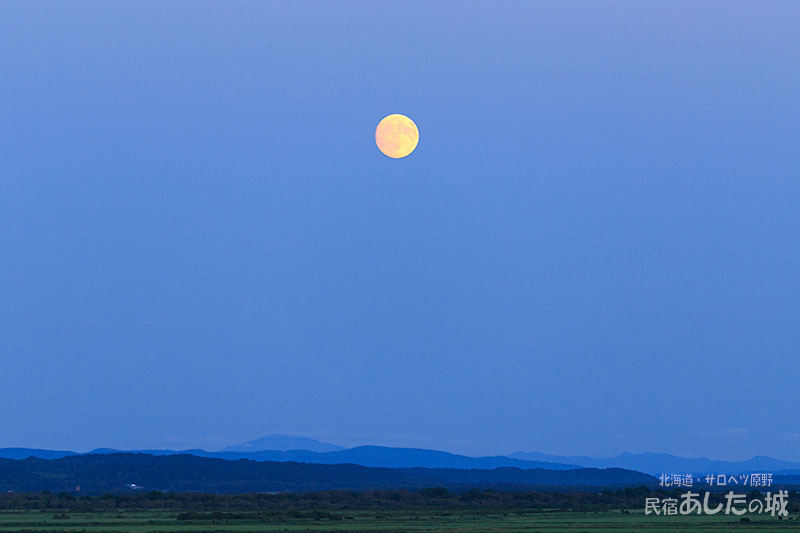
x: 592, y: 250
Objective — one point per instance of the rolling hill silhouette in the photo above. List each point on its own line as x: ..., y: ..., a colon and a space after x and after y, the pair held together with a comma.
x: 114, y: 473
x: 282, y: 448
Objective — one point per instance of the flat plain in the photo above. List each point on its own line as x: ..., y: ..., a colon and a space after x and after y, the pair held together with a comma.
x: 168, y: 521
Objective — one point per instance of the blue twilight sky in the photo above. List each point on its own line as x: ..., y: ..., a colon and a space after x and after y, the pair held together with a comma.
x: 594, y: 249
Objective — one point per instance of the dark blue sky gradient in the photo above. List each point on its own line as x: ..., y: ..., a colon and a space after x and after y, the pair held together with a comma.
x: 594, y: 249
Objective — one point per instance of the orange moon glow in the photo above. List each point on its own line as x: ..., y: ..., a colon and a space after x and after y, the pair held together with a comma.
x: 396, y: 136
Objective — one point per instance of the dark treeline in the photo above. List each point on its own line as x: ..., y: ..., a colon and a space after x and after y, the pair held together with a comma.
x: 115, y: 473
x: 199, y: 506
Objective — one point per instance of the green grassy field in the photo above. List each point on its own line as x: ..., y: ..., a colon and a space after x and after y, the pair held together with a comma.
x: 415, y: 521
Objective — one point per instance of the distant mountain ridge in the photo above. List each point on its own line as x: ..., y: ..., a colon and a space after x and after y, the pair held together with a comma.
x: 285, y: 448
x: 371, y: 456
x: 386, y: 457
x: 116, y: 473
x: 663, y: 463
x: 278, y: 442
x: 24, y: 453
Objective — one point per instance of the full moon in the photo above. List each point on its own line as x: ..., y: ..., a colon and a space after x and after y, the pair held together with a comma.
x: 396, y: 136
